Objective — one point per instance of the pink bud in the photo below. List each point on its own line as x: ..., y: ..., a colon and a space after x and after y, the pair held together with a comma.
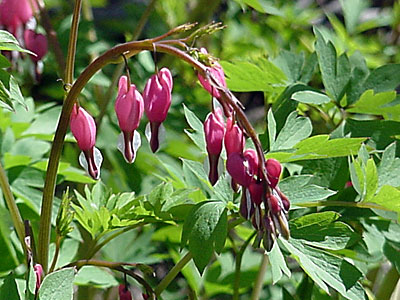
x: 83, y: 128
x: 217, y: 71
x: 37, y: 43
x: 124, y: 293
x: 234, y: 140
x: 128, y: 106
x: 273, y: 203
x: 157, y: 96
x: 237, y: 167
x: 274, y: 170
x: 214, y: 129
x: 38, y: 270
x: 284, y: 198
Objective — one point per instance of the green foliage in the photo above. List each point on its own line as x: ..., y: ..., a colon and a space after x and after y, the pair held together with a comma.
x: 58, y: 285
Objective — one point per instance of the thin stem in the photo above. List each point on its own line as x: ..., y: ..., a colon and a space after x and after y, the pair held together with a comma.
x: 52, y: 36
x: 56, y: 253
x: 12, y: 206
x: 172, y: 274
x: 343, y: 203
x: 73, y: 37
x: 238, y: 263
x: 260, y: 278
x: 113, y: 236
x: 388, y: 284
x: 143, y: 19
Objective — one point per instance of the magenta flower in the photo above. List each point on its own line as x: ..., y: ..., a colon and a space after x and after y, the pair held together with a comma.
x: 38, y: 270
x: 234, y: 140
x: 214, y: 129
x: 37, y: 43
x: 274, y: 170
x: 217, y: 71
x: 257, y: 192
x: 124, y: 293
x: 157, y: 100
x: 15, y: 13
x: 83, y: 128
x: 129, y: 110
x: 237, y: 167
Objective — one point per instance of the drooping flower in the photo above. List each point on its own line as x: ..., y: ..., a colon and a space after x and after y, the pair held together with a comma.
x: 237, y: 167
x: 15, y: 13
x: 217, y: 71
x: 129, y: 110
x: 157, y: 100
x: 124, y: 293
x: 214, y: 129
x: 83, y: 128
x: 38, y: 270
x: 37, y: 43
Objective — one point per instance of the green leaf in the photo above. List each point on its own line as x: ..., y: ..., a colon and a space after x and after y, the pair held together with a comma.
x: 197, y: 170
x: 15, y: 92
x: 205, y: 230
x: 58, y: 285
x: 197, y: 136
x: 389, y: 168
x: 298, y: 189
x: 262, y: 6
x: 4, y: 62
x: 295, y: 130
x: 352, y: 10
x: 377, y: 104
x: 321, y: 230
x: 6, y: 37
x: 311, y: 97
x: 319, y: 146
x: 278, y: 264
x: 384, y: 78
x: 94, y: 276
x: 9, y: 289
x: 271, y: 128
x: 392, y: 251
x: 257, y: 75
x: 291, y: 64
x: 5, y: 100
x: 327, y: 270
x: 335, y: 71
x: 388, y: 197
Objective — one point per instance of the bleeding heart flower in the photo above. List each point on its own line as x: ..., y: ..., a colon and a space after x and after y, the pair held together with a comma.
x: 83, y: 128
x: 124, y: 293
x: 15, y: 13
x: 234, y: 140
x: 38, y: 270
x: 129, y: 110
x: 37, y: 43
x: 274, y: 170
x: 157, y: 100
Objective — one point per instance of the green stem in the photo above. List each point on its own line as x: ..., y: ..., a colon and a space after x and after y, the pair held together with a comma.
x: 73, y: 37
x: 343, y: 203
x: 172, y: 274
x: 12, y: 206
x: 56, y: 253
x: 260, y: 278
x: 238, y: 263
x: 111, y: 56
x: 111, y: 237
x: 388, y: 284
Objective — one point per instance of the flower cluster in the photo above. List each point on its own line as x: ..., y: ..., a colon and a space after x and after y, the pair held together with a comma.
x: 129, y: 108
x: 14, y: 17
x: 262, y: 201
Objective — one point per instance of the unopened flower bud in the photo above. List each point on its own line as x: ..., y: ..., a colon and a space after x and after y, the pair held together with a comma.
x: 285, y: 200
x: 15, y: 13
x: 129, y: 110
x: 273, y: 203
x: 216, y: 71
x: 124, y: 293
x: 38, y: 270
x: 157, y: 100
x: 237, y: 167
x: 274, y: 170
x: 234, y: 140
x: 37, y: 43
x: 257, y: 193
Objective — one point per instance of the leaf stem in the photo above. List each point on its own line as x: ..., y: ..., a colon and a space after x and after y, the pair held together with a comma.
x: 343, y: 203
x: 56, y: 253
x: 388, y: 285
x: 238, y: 263
x: 12, y: 207
x: 172, y: 274
x: 260, y: 278
x: 73, y: 37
